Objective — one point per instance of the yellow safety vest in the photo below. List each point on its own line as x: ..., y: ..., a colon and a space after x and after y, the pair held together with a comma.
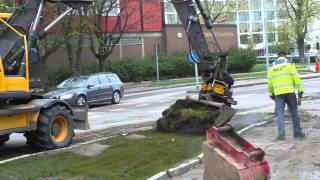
x: 283, y: 78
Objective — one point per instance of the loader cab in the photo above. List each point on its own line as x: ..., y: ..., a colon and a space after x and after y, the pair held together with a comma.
x: 14, y: 69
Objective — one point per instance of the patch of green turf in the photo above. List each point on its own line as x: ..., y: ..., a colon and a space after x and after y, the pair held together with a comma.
x: 125, y: 159
x: 187, y: 113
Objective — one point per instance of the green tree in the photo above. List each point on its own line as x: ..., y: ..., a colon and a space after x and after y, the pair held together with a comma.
x: 110, y: 23
x: 301, y: 14
x: 220, y: 11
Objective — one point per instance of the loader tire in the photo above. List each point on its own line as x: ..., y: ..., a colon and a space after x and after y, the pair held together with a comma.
x: 54, y: 129
x: 3, y: 139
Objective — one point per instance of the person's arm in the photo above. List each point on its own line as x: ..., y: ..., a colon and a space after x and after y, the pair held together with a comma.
x: 296, y: 78
x: 270, y: 87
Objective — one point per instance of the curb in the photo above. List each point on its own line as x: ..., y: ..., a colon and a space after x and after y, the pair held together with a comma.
x: 254, y: 84
x: 235, y: 86
x: 189, y: 164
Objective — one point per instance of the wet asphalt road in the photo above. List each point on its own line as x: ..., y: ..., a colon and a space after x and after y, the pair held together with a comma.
x: 148, y: 106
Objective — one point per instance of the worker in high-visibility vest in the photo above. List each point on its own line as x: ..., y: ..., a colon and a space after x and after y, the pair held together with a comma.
x: 283, y: 80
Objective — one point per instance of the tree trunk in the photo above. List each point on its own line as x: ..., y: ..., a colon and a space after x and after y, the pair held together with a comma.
x: 78, y: 63
x: 102, y: 65
x: 45, y: 80
x: 70, y: 54
x: 300, y: 43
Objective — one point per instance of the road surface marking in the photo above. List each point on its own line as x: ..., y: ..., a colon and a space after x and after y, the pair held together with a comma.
x: 167, y: 100
x: 243, y: 95
x: 114, y: 110
x: 140, y: 105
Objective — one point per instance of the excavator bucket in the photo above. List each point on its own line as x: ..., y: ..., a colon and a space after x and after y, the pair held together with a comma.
x: 193, y: 116
x: 80, y: 117
x: 228, y: 156
x: 225, y: 112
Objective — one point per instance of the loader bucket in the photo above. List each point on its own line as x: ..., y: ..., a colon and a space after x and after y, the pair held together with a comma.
x: 80, y: 117
x: 228, y: 156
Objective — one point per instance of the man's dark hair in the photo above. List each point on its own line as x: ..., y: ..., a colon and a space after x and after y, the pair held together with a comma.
x: 282, y: 54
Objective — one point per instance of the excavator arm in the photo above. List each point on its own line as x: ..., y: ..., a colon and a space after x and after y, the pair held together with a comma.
x: 206, y: 49
x: 26, y: 20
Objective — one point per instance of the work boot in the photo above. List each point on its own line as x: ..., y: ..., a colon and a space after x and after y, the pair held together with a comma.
x: 280, y: 138
x: 299, y: 135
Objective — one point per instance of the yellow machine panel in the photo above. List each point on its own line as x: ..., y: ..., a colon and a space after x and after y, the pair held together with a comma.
x: 5, y: 15
x: 13, y: 121
x: 15, y: 84
x: 18, y: 121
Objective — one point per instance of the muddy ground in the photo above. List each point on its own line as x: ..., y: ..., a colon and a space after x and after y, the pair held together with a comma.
x: 292, y: 158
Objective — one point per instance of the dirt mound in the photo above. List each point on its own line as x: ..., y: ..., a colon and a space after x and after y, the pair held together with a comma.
x: 188, y: 116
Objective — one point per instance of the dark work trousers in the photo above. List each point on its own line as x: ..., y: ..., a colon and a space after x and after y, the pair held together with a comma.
x: 291, y: 100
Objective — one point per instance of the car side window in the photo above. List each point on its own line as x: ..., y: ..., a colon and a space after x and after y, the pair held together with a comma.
x: 104, y: 79
x: 94, y: 81
x: 113, y: 78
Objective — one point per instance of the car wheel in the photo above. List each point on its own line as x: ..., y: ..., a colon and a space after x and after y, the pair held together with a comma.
x: 81, y: 100
x: 116, y: 98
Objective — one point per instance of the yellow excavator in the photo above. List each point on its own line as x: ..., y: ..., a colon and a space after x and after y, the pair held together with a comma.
x: 46, y: 123
x: 50, y: 123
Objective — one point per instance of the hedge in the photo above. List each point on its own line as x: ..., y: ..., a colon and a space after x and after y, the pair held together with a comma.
x: 170, y: 65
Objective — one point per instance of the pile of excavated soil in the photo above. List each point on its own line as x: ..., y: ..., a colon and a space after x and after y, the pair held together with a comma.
x: 186, y: 116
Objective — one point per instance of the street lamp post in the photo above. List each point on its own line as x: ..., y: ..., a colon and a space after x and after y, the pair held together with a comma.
x: 265, y: 30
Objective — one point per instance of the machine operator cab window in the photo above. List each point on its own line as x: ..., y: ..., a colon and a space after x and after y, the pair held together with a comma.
x: 14, y: 77
x: 12, y: 62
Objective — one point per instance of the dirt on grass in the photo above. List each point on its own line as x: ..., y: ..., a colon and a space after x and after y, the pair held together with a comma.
x: 91, y: 150
x: 291, y: 158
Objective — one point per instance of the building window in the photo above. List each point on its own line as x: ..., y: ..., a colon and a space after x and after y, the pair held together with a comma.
x: 270, y: 15
x: 243, y: 16
x: 257, y: 38
x: 281, y: 24
x: 244, y: 27
x: 271, y: 26
x: 281, y: 4
x: 282, y: 14
x: 131, y: 40
x: 111, y: 8
x: 268, y: 4
x: 257, y: 27
x: 255, y: 4
x: 244, y: 39
x: 271, y: 37
x: 170, y: 14
x: 256, y: 15
x: 243, y: 4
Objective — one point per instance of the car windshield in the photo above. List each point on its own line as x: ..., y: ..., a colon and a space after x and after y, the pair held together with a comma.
x: 73, y: 83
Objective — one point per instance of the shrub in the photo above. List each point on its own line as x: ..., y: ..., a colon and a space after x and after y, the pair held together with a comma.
x: 57, y: 74
x: 241, y: 60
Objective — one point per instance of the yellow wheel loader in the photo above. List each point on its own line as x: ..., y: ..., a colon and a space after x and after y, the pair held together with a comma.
x: 46, y: 123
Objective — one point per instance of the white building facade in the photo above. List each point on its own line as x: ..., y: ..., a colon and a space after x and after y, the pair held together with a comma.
x: 249, y: 16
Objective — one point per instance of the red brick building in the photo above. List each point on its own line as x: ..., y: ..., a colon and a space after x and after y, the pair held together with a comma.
x: 153, y: 22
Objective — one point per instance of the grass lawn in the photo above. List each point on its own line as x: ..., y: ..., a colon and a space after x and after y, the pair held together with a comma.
x: 124, y: 159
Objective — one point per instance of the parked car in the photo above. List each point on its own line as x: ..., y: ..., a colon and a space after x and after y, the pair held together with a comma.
x: 93, y: 89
